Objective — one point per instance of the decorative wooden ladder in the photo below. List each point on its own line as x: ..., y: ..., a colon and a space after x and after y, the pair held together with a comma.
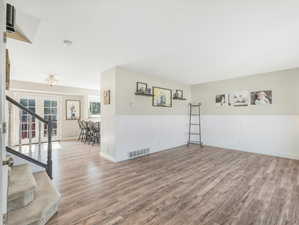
x: 193, y: 123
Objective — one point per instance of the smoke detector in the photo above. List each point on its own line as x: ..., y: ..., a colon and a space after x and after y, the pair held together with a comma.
x: 67, y: 43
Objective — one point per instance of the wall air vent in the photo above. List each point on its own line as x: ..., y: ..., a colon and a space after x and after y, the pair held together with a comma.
x: 139, y: 153
x: 10, y: 18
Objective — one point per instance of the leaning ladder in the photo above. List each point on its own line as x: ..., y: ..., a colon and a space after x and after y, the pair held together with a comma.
x: 194, y: 123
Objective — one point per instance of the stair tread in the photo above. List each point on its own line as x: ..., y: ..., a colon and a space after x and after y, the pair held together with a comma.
x: 21, y: 180
x: 46, y: 198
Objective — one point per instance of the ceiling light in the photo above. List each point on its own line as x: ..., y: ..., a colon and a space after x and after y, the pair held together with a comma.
x: 52, y: 80
x: 67, y: 43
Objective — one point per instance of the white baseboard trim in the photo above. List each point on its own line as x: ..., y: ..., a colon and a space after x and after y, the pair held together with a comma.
x: 274, y: 154
x: 108, y: 157
x: 69, y: 139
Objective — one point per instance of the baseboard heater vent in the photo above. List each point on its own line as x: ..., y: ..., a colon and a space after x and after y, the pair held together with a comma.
x: 139, y: 153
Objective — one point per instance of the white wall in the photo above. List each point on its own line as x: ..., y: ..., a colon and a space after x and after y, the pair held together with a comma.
x: 131, y: 123
x: 156, y: 132
x: 269, y: 129
x: 134, y: 124
x: 276, y: 135
x: 108, y: 132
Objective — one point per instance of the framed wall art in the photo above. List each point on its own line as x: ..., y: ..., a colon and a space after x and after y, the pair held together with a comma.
x: 107, y: 97
x: 141, y: 87
x: 240, y: 98
x: 162, y: 97
x: 73, y: 109
x: 221, y: 100
x: 261, y: 97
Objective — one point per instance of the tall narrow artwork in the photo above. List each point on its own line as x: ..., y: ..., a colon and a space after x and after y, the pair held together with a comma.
x: 107, y: 97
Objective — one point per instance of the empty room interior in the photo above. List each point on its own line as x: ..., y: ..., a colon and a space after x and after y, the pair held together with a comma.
x: 133, y: 112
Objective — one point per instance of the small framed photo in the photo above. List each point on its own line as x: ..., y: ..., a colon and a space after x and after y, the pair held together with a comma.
x: 240, y: 98
x: 141, y: 87
x: 263, y: 97
x: 106, y: 97
x: 222, y: 100
x: 73, y: 109
x: 179, y: 94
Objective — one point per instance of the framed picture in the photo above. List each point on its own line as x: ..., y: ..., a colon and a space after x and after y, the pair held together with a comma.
x: 261, y: 97
x: 94, y: 106
x: 240, y: 98
x: 162, y: 97
x: 222, y: 100
x: 107, y: 97
x: 141, y: 87
x: 179, y: 94
x: 94, y: 109
x: 73, y: 109
x: 7, y: 70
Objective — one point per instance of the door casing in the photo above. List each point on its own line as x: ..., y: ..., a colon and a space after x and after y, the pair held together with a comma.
x: 39, y: 101
x: 3, y: 169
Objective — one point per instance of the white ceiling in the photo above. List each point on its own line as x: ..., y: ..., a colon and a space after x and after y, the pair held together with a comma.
x: 192, y: 41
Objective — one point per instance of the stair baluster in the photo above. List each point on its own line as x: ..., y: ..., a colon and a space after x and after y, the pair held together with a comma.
x: 35, y: 119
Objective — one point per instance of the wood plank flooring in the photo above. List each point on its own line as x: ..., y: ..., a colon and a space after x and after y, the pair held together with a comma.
x: 182, y: 186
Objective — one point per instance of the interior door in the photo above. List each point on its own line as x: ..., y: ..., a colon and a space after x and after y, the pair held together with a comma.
x: 3, y: 169
x: 50, y: 112
x: 26, y: 128
x: 27, y: 123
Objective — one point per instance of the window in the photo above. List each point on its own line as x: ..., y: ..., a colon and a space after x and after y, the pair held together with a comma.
x: 94, y: 107
x: 27, y: 127
x: 50, y: 112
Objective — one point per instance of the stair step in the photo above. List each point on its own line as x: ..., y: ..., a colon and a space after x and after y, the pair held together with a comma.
x: 22, y: 186
x: 43, y: 207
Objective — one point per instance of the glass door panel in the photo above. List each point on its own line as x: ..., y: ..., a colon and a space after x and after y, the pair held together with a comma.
x: 27, y: 122
x: 51, y: 112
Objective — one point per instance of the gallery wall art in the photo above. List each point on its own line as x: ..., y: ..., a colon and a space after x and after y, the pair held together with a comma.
x: 222, y: 100
x: 162, y: 97
x: 73, y: 109
x: 261, y: 97
x: 245, y: 98
x: 141, y: 87
x: 240, y: 98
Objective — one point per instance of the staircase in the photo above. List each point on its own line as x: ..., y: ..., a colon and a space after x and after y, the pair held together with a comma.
x: 32, y: 197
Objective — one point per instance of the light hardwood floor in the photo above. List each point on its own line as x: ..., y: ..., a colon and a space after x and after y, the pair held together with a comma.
x: 193, y: 186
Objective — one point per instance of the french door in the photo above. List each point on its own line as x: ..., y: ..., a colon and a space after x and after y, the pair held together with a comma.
x: 27, y: 128
x: 27, y: 123
x: 50, y: 112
